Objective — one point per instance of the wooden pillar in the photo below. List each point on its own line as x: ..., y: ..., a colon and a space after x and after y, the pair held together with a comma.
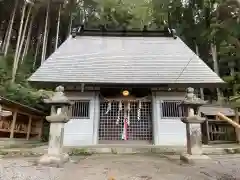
x: 40, y: 128
x: 29, y: 127
x: 207, y: 129
x: 13, y: 124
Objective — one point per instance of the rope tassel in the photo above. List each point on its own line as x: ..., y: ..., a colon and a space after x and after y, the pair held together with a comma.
x: 124, y: 132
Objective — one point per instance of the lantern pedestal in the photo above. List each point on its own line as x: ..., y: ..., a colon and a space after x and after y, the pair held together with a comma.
x: 193, y: 123
x: 57, y: 120
x: 55, y: 153
x: 194, y: 140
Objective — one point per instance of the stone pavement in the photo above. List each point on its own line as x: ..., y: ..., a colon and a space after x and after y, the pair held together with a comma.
x: 123, y: 167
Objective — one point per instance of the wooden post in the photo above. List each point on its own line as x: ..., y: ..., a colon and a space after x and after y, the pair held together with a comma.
x: 237, y: 130
x: 13, y: 124
x: 29, y: 127
x: 40, y: 129
x: 207, y: 129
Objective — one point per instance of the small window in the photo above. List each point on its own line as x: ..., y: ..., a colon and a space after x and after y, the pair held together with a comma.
x: 171, y: 109
x: 80, y: 109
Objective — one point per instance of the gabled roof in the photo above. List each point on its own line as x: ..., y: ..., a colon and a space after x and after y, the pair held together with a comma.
x: 125, y: 59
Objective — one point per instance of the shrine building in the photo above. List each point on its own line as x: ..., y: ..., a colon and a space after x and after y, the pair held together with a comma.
x: 126, y: 86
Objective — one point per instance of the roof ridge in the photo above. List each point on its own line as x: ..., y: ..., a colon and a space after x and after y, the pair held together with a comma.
x: 102, y: 31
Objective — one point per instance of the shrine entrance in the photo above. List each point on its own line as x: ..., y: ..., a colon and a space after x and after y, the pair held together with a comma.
x: 125, y: 120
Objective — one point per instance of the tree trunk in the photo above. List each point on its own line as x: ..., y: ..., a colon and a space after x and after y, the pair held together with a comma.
x: 15, y: 63
x: 216, y: 68
x: 24, y: 32
x: 237, y: 121
x: 9, y: 33
x: 201, y: 89
x: 232, y: 73
x: 4, y: 38
x: 58, y: 27
x: 48, y: 29
x: 70, y: 23
x: 38, y: 46
x: 45, y: 33
x: 28, y: 40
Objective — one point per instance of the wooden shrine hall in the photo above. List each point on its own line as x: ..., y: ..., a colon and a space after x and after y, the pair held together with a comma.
x: 19, y: 121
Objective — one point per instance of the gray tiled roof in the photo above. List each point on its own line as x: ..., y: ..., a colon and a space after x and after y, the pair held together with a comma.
x: 213, y: 110
x: 124, y: 60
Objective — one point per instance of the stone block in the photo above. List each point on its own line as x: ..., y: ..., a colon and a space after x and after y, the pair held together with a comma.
x: 53, y: 159
x: 193, y: 158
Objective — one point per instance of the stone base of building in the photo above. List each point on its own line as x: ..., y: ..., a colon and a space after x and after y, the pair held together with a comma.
x: 193, y: 158
x: 57, y: 160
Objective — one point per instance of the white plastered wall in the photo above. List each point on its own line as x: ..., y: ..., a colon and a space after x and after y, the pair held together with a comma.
x: 82, y: 132
x: 167, y: 132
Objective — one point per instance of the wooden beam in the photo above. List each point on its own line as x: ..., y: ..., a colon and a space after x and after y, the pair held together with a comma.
x: 29, y: 127
x: 21, y: 112
x: 13, y: 124
x: 230, y: 121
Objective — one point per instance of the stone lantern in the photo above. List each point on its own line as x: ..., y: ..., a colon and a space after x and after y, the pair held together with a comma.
x: 193, y: 122
x: 59, y: 106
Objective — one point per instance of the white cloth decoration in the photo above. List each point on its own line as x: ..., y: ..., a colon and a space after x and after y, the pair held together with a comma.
x: 128, y: 118
x: 119, y: 111
x: 139, y: 110
x: 109, y: 107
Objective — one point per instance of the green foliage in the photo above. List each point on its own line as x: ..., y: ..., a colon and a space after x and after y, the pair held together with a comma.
x: 79, y: 152
x: 19, y: 91
x: 198, y: 22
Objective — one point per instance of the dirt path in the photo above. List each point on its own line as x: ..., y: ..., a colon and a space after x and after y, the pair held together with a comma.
x: 122, y: 167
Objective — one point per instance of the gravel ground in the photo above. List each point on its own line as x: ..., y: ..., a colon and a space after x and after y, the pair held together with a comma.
x: 123, y: 167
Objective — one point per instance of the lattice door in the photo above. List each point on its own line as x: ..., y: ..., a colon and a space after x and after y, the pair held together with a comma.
x: 138, y: 129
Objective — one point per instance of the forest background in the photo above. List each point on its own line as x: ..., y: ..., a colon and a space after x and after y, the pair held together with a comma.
x: 30, y: 31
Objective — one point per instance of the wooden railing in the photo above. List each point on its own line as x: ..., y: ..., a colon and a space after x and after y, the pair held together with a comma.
x: 218, y: 132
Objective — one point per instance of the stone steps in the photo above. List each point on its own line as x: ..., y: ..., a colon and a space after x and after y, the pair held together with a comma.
x: 118, y: 149
x: 121, y: 149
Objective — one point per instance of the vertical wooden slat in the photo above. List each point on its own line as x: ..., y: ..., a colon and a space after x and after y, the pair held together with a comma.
x: 29, y: 127
x: 80, y: 109
x: 13, y: 124
x: 171, y: 109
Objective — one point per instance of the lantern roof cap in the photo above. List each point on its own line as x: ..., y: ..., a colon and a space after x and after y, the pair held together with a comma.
x: 191, y: 99
x: 58, y: 98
